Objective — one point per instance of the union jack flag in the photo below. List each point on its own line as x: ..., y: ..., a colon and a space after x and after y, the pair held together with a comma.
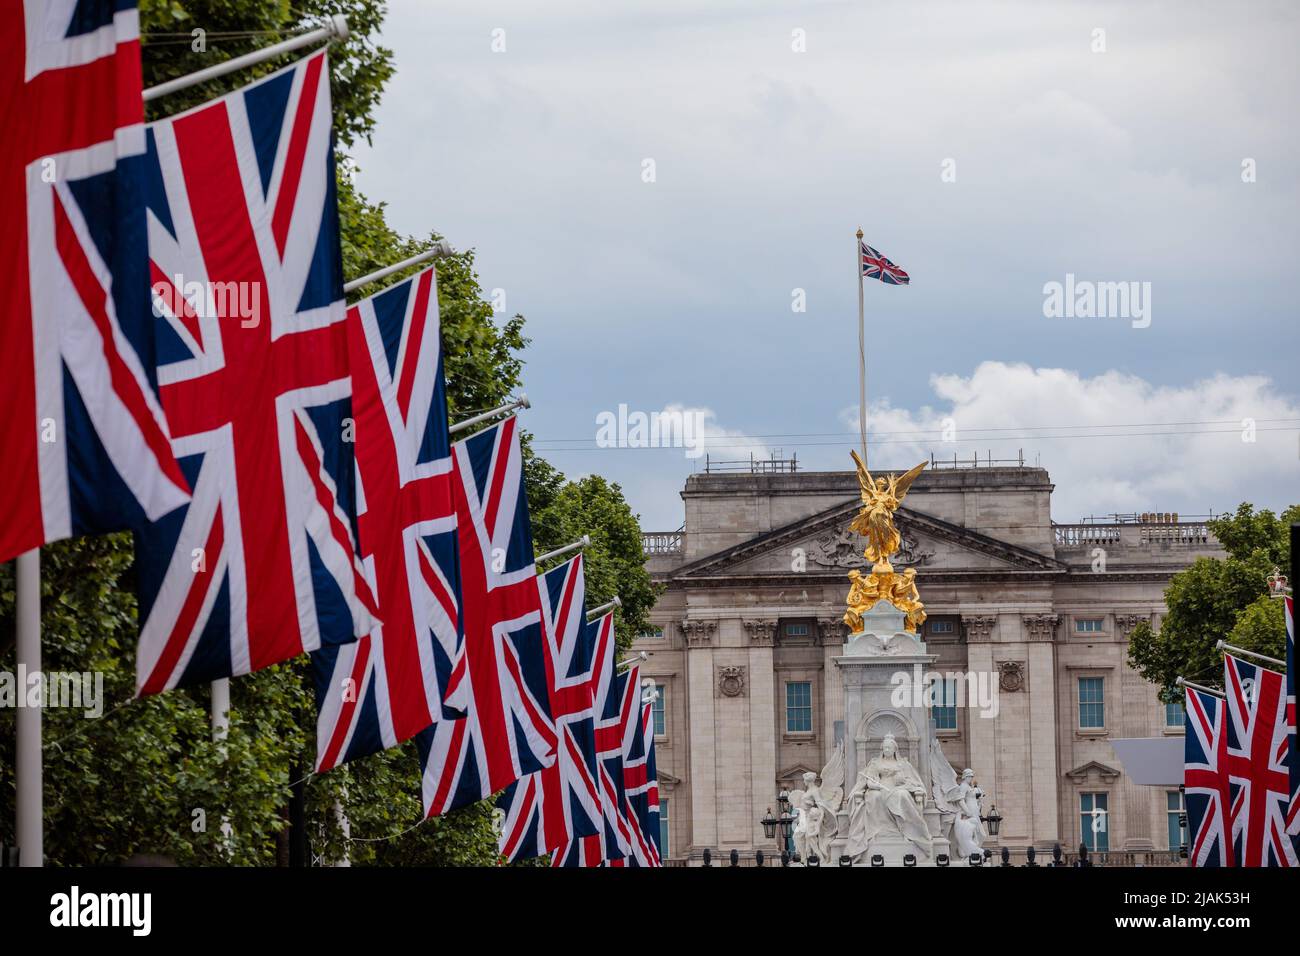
x: 507, y: 731
x: 85, y: 442
x: 876, y: 266
x: 387, y: 687
x: 1205, y: 786
x: 611, y: 723
x: 253, y: 363
x: 1293, y: 758
x: 1255, y: 764
x: 639, y: 773
x: 566, y: 797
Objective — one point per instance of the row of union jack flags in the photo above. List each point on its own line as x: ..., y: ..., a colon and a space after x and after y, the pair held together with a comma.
x: 1239, y: 774
x: 181, y: 362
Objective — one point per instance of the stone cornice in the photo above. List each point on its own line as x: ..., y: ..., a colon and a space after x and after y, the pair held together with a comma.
x: 831, y: 630
x: 833, y: 518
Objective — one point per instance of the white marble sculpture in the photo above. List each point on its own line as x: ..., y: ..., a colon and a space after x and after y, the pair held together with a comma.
x: 816, y: 807
x: 887, y: 801
x: 960, y: 798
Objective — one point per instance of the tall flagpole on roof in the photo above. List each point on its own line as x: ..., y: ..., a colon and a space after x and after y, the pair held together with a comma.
x: 862, y: 351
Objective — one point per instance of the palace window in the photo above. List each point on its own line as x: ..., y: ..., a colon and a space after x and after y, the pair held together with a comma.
x: 798, y: 707
x: 653, y: 633
x: 944, y: 710
x: 1094, y: 821
x: 1174, y: 805
x: 1087, y: 625
x: 1174, y: 714
x: 942, y: 627
x: 1092, y: 703
x: 796, y: 630
x: 657, y: 710
x: 664, y: 846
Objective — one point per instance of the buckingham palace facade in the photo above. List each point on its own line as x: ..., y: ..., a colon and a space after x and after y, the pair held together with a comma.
x: 749, y: 623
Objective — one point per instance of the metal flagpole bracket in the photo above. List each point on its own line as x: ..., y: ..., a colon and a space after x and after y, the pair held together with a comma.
x: 441, y: 249
x: 1201, y: 687
x: 510, y: 406
x: 634, y: 659
x: 336, y: 29
x: 1225, y: 646
x: 567, y: 549
x: 605, y: 608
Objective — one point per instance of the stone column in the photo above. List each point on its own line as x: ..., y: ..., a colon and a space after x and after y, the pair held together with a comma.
x: 1040, y: 631
x: 832, y: 633
x: 761, y: 636
x: 981, y: 733
x: 699, y: 680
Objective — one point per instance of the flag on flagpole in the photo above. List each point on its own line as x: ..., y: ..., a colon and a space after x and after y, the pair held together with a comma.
x: 1205, y: 784
x: 1255, y: 763
x: 610, y: 724
x: 388, y: 686
x: 876, y: 266
x: 640, y: 786
x: 86, y: 446
x: 262, y: 565
x: 1293, y: 757
x: 565, y: 797
x: 507, y: 730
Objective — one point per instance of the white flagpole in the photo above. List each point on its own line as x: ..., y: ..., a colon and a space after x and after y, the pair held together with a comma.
x: 336, y: 30
x: 510, y: 406
x: 28, y: 766
x: 596, y: 612
x: 862, y: 351
x: 440, y: 248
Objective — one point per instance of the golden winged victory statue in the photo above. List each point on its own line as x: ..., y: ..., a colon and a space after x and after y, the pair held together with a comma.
x: 880, y: 499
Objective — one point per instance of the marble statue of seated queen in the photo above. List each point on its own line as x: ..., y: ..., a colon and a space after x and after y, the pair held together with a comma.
x: 886, y: 801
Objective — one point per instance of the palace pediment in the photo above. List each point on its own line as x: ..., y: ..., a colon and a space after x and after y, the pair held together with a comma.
x: 822, y: 543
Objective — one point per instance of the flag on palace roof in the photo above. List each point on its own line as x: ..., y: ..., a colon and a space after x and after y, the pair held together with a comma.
x: 85, y: 442
x: 1205, y: 785
x: 262, y: 565
x: 507, y: 730
x: 876, y: 266
x: 1255, y: 761
x: 389, y: 685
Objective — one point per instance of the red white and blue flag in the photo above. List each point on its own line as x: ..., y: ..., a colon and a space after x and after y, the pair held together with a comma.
x: 262, y: 565
x: 876, y: 266
x: 1293, y: 757
x: 388, y: 686
x: 640, y: 783
x: 613, y: 713
x: 1255, y: 763
x: 507, y: 731
x: 565, y: 798
x: 85, y: 442
x: 1205, y: 786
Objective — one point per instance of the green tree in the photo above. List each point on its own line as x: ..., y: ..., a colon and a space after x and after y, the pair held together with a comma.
x: 1219, y: 599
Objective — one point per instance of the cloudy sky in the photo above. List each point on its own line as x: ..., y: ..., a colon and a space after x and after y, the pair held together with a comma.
x: 987, y: 148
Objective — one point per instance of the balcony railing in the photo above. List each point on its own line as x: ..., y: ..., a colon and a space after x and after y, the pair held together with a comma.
x: 661, y: 542
x: 1133, y: 534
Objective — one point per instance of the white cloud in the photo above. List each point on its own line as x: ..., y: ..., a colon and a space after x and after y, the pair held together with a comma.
x: 1111, y: 442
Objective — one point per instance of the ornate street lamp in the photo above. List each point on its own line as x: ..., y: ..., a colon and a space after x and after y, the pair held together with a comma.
x: 769, y: 825
x: 994, y: 820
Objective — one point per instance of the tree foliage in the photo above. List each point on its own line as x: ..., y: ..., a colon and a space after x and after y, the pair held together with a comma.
x: 1219, y: 599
